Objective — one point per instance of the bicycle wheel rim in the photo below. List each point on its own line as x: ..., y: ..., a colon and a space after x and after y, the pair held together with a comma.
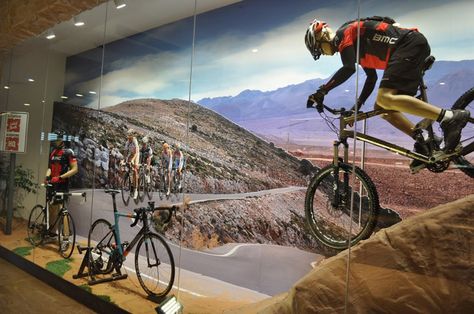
x: 155, y: 274
x: 332, y: 225
x: 66, y: 235
x: 36, y: 225
x: 101, y: 240
x: 466, y: 162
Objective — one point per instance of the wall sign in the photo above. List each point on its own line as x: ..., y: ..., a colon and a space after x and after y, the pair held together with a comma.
x: 13, y: 131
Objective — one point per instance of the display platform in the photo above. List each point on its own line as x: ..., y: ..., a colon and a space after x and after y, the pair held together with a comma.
x: 124, y: 295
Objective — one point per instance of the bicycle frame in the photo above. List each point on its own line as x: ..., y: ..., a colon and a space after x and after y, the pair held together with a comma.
x: 116, y: 230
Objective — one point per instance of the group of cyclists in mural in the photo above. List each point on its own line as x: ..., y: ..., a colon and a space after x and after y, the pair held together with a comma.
x: 141, y: 172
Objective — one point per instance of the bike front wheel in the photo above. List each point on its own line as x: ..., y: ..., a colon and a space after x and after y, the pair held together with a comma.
x: 154, y: 265
x: 101, y: 241
x: 36, y: 225
x: 328, y: 206
x: 466, y: 162
x: 66, y: 235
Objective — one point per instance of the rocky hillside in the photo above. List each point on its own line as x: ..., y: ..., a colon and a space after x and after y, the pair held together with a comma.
x: 221, y: 156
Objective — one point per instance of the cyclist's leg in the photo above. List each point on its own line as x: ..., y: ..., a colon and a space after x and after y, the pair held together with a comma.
x: 398, y: 120
x: 391, y: 99
x: 53, y: 215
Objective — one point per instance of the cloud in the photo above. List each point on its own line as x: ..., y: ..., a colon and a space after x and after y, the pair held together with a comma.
x: 233, y: 62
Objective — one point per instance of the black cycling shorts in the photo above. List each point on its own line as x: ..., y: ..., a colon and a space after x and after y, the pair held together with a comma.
x: 405, y: 65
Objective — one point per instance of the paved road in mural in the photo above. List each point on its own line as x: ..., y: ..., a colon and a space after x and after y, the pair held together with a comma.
x: 267, y: 269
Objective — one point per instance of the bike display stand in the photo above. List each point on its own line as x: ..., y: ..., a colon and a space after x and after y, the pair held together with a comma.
x: 85, y: 263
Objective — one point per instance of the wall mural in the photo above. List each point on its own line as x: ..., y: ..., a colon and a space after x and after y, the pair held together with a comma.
x: 246, y: 133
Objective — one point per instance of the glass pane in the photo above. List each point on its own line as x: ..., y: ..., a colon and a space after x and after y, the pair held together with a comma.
x: 256, y: 145
x: 408, y: 189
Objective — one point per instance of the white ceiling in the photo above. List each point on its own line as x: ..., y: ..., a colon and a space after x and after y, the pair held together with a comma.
x: 106, y: 21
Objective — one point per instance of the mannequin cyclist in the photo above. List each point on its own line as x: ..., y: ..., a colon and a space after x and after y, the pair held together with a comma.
x: 401, y: 53
x: 62, y: 165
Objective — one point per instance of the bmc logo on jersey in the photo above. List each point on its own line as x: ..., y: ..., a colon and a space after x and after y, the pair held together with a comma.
x: 384, y: 39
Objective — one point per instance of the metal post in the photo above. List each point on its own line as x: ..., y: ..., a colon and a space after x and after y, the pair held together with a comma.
x: 11, y: 192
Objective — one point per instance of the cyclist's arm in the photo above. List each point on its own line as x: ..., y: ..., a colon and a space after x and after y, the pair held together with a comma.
x: 72, y: 171
x: 72, y: 165
x: 348, y: 59
x: 369, y: 85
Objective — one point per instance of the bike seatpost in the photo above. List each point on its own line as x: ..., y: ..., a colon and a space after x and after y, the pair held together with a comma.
x: 114, y: 203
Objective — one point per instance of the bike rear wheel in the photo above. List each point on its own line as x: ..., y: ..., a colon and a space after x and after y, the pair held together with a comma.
x: 466, y: 162
x: 101, y: 240
x: 328, y: 213
x: 154, y: 264
x: 36, y: 225
x: 126, y: 188
x: 66, y: 235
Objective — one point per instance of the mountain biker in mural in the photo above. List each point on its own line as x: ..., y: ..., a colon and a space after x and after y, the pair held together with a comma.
x: 146, y: 153
x: 133, y: 157
x: 62, y: 165
x: 401, y: 53
x: 178, y: 163
x: 167, y: 163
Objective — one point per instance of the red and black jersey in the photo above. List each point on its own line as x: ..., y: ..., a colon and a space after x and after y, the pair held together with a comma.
x: 377, y: 40
x: 60, y: 161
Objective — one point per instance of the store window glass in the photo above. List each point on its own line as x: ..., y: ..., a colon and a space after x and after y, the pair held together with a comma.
x: 413, y: 196
x: 257, y: 145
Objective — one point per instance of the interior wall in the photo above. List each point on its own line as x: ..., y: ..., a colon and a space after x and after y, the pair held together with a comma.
x: 48, y: 70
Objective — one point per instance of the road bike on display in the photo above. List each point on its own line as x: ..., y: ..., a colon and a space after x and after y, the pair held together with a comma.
x: 128, y: 184
x: 154, y: 263
x: 39, y: 228
x: 342, y: 204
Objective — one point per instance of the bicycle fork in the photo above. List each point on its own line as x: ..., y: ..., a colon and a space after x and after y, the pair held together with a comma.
x: 148, y: 247
x: 336, y: 200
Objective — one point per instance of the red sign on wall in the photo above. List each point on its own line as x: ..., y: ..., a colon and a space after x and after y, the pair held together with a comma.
x: 13, y: 124
x: 13, y: 131
x: 12, y: 143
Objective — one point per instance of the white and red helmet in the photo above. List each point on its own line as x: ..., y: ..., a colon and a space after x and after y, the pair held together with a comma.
x: 313, y: 36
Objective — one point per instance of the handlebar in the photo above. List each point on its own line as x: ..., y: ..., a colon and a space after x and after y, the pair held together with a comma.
x: 49, y: 186
x: 139, y: 212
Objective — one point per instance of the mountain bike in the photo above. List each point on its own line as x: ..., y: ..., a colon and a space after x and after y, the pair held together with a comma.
x: 127, y: 184
x: 39, y: 228
x: 154, y: 262
x: 342, y: 204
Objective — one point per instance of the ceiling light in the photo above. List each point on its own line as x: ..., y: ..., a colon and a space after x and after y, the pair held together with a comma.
x: 6, y: 87
x: 120, y: 4
x: 79, y: 95
x: 64, y: 97
x: 92, y: 92
x: 254, y: 50
x: 78, y: 21
x: 31, y: 80
x: 442, y: 83
x: 27, y: 105
x: 50, y: 35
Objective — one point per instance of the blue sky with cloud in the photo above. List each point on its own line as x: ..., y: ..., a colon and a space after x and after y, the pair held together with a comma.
x: 255, y: 44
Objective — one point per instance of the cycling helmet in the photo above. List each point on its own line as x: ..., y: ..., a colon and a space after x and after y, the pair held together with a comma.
x: 61, y: 135
x: 130, y: 132
x: 166, y: 145
x: 313, y: 36
x: 145, y: 139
